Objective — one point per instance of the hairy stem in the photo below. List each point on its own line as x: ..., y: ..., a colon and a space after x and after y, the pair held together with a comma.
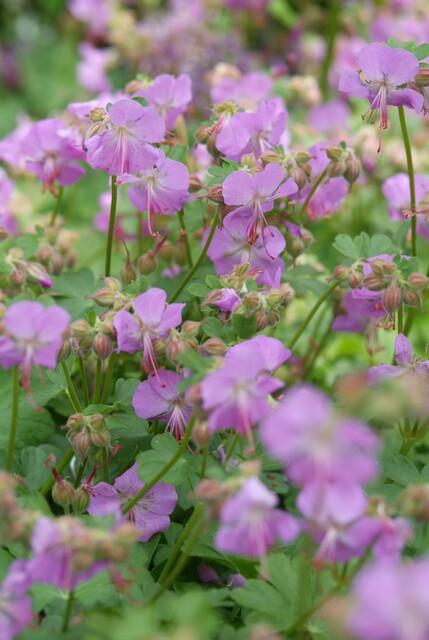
x: 196, y: 514
x: 57, y: 206
x: 186, y: 238
x: 13, y: 418
x: 111, y: 231
x: 312, y: 313
x: 411, y: 178
x: 68, y: 612
x: 74, y: 398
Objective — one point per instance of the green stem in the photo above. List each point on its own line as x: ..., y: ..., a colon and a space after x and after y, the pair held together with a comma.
x: 411, y: 178
x: 309, y: 613
x: 80, y: 473
x: 13, y: 418
x: 322, y: 343
x: 312, y: 313
x: 409, y: 321
x: 68, y: 612
x: 163, y: 471
x: 84, y: 381
x: 186, y: 238
x: 231, y: 448
x: 74, y: 398
x: 196, y: 266
x: 65, y: 460
x: 140, y: 236
x: 183, y: 558
x: 196, y: 514
x: 400, y: 319
x: 57, y: 205
x: 312, y: 191
x: 98, y: 378
x: 108, y: 379
x: 334, y: 13
x: 111, y: 232
x: 204, y: 462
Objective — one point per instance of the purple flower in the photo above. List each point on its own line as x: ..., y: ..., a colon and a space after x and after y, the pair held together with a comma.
x: 161, y: 187
x: 169, y: 96
x: 150, y: 514
x: 56, y: 545
x: 328, y: 456
x: 390, y: 601
x: 91, y: 69
x: 15, y: 606
x: 396, y: 190
x: 158, y: 397
x: 255, y: 132
x: 246, y: 91
x: 329, y: 117
x: 236, y: 394
x: 405, y: 363
x: 153, y: 318
x: 340, y: 542
x: 51, y: 154
x: 227, y: 300
x: 383, y: 72
x: 122, y: 145
x: 357, y: 312
x: 230, y: 246
x: 250, y: 522
x: 32, y: 336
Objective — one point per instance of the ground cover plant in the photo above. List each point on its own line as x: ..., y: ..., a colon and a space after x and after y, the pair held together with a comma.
x: 214, y: 271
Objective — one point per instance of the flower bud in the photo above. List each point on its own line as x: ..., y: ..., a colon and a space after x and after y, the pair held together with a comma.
x: 102, y: 346
x: 392, y: 298
x: 412, y: 298
x: 302, y: 157
x: 214, y: 346
x: 374, y: 283
x: 270, y: 156
x: 422, y: 78
x: 147, y: 263
x: 203, y: 133
x: 191, y: 327
x: 75, y: 422
x: 215, y: 194
x: 341, y: 272
x: 335, y: 153
x: 44, y: 253
x: 96, y: 422
x: 195, y: 184
x: 201, y: 435
x: 378, y: 266
x: 80, y: 328
x: 17, y: 278
x: 418, y: 280
x: 38, y: 274
x: 166, y: 250
x: 80, y: 500
x: 113, y: 284
x: 81, y: 444
x: 352, y: 172
x: 299, y: 176
x: 295, y: 247
x: 128, y: 273
x: 337, y: 168
x: 101, y: 439
x: 354, y: 279
x: 414, y: 502
x: 62, y: 493
x: 97, y: 115
x: 135, y: 85
x: 104, y: 297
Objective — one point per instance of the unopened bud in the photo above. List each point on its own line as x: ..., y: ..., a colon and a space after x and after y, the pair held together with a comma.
x: 352, y: 172
x: 299, y: 176
x: 191, y: 327
x: 412, y: 298
x: 80, y: 500
x: 113, y: 284
x: 201, y: 435
x: 75, y: 422
x: 203, y: 133
x: 295, y: 247
x: 101, y: 439
x: 214, y: 346
x: 341, y: 272
x: 270, y: 156
x: 81, y: 444
x: 17, y: 278
x: 166, y: 250
x: 147, y: 263
x: 215, y: 194
x: 38, y: 274
x: 96, y: 422
x: 418, y: 280
x: 62, y: 493
x: 104, y: 297
x: 195, y: 184
x: 414, y: 501
x: 337, y: 168
x: 354, y: 279
x: 135, y: 85
x: 392, y: 298
x: 335, y: 153
x: 374, y: 283
x: 4, y: 233
x: 44, y: 253
x: 422, y: 78
x: 80, y: 328
x: 102, y: 346
x: 302, y: 157
x: 97, y: 115
x: 128, y: 273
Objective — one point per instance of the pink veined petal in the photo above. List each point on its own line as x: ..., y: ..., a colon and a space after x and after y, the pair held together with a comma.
x: 406, y: 97
x: 399, y: 65
x: 147, y: 400
x: 10, y: 353
x: 52, y: 323
x: 46, y: 356
x: 161, y: 499
x: 171, y: 317
x: 267, y: 182
x: 238, y: 188
x: 125, y: 111
x: 104, y: 499
x: 351, y: 84
x: 150, y: 306
x: 129, y: 482
x: 286, y: 189
x: 382, y: 372
x: 21, y: 319
x: 148, y: 524
x: 373, y: 60
x: 233, y: 137
x: 128, y: 332
x: 69, y: 174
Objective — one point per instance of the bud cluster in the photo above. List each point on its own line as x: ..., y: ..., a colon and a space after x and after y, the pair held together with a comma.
x: 343, y: 163
x: 85, y: 432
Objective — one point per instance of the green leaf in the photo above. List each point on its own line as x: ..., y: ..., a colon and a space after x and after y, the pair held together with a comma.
x: 97, y: 590
x: 283, y: 12
x: 124, y: 391
x: 178, y: 152
x: 150, y: 462
x: 244, y: 327
x: 198, y: 290
x: 213, y: 282
x: 401, y: 470
x: 33, y: 462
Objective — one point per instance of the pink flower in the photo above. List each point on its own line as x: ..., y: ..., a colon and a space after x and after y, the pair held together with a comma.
x: 51, y: 154
x: 250, y: 522
x: 158, y: 397
x: 153, y: 318
x: 92, y: 68
x: 231, y: 246
x: 32, y: 336
x: 169, y: 96
x: 161, y: 187
x: 383, y: 72
x: 236, y: 394
x: 150, y: 514
x: 15, y: 606
x: 257, y: 192
x: 122, y: 145
x: 405, y: 363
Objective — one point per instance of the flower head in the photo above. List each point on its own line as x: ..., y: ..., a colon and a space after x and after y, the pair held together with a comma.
x: 158, y: 397
x: 32, y: 336
x: 169, y: 96
x: 150, y: 514
x: 405, y: 363
x: 251, y: 523
x: 122, y: 142
x: 153, y: 318
x: 51, y: 154
x: 383, y: 73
